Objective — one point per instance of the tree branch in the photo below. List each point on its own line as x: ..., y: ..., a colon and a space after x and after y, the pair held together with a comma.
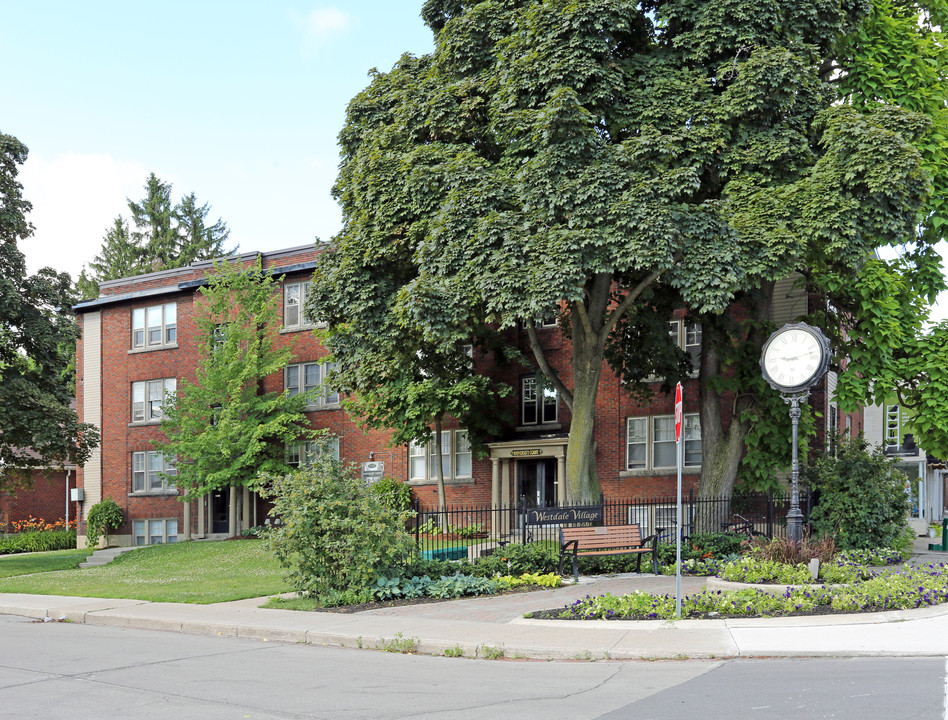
x: 544, y: 366
x: 627, y: 301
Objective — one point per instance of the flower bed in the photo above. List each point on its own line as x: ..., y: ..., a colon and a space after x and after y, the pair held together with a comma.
x: 893, y: 589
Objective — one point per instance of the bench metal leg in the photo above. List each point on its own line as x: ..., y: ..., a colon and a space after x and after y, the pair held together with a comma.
x: 575, y: 569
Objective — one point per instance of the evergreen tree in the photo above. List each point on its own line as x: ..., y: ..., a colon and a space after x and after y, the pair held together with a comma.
x: 195, y: 238
x: 154, y: 231
x: 160, y: 236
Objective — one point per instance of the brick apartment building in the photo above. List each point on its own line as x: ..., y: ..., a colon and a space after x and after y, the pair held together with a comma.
x: 139, y: 339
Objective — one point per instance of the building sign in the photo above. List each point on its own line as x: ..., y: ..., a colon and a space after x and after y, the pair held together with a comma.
x: 525, y: 453
x: 372, y: 472
x: 564, y: 515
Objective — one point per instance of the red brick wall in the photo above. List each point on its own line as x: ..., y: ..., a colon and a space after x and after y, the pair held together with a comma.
x: 120, y: 369
x: 45, y: 499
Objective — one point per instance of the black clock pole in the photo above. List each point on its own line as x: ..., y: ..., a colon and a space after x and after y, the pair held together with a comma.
x: 794, y: 515
x: 795, y: 375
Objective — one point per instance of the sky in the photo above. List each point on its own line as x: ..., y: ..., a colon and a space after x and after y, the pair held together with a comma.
x: 238, y: 102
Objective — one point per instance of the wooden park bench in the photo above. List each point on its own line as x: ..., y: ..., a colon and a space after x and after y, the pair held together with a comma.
x: 611, y: 540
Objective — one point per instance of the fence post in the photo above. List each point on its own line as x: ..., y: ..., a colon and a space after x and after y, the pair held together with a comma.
x: 523, y: 520
x: 417, y: 504
x: 770, y: 513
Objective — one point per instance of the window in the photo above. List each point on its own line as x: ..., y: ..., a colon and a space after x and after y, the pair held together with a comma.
x: 294, y: 304
x: 636, y: 443
x: 149, y: 471
x: 155, y: 326
x: 148, y: 398
x: 304, y: 453
x: 659, y: 450
x: 538, y: 402
x: 687, y: 336
x: 155, y: 532
x: 309, y: 377
x: 892, y: 428
x: 456, y: 457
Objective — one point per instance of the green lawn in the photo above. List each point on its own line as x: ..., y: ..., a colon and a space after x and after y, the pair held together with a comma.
x: 190, y: 572
x: 27, y: 563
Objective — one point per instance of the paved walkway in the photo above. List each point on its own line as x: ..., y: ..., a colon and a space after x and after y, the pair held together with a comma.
x: 487, y: 625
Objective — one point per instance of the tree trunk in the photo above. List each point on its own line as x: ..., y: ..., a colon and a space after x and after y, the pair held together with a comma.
x: 722, y: 448
x: 442, y: 501
x: 593, y: 319
x: 581, y: 448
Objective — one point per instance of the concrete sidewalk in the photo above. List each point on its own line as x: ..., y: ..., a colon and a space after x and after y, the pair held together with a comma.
x: 486, y: 626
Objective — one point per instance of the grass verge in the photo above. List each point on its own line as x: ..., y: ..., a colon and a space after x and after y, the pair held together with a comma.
x: 190, y: 572
x: 12, y: 565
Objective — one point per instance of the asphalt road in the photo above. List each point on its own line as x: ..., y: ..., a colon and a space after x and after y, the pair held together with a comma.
x: 50, y: 670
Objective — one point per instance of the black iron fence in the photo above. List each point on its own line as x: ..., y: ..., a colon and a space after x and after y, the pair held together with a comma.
x: 467, y: 531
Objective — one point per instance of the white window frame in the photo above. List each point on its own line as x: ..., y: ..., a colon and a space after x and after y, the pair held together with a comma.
x: 305, y: 377
x: 456, y: 457
x: 303, y: 453
x: 161, y: 319
x: 142, y: 530
x: 639, y: 440
x: 893, y: 428
x: 691, y: 433
x: 150, y: 470
x: 533, y: 386
x: 294, y: 313
x: 148, y: 398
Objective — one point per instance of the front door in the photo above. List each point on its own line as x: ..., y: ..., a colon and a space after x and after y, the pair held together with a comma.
x: 220, y: 511
x: 537, y: 482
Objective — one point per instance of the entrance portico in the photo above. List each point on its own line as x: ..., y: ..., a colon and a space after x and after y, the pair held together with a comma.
x: 533, y: 467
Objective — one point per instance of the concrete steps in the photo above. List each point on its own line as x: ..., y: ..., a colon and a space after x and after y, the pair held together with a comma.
x: 104, y: 557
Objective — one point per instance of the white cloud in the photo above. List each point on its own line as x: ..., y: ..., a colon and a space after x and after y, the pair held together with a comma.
x: 75, y: 199
x: 322, y: 24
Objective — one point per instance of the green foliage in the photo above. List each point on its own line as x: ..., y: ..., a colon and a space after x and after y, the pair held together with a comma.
x: 516, y: 559
x: 42, y: 541
x: 105, y: 515
x: 37, y: 331
x: 393, y: 493
x: 750, y: 569
x: 546, y: 580
x: 467, y: 531
x: 162, y: 235
x: 459, y: 585
x: 398, y: 644
x: 862, y: 501
x: 907, y: 588
x: 337, y: 598
x: 335, y: 534
x: 534, y: 163
x: 222, y: 428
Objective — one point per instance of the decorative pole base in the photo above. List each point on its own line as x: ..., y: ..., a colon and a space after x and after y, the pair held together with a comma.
x: 795, y: 524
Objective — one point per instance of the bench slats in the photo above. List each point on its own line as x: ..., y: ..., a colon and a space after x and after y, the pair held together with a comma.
x: 607, y: 540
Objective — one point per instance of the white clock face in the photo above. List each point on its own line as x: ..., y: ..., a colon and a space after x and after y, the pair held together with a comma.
x: 793, y: 358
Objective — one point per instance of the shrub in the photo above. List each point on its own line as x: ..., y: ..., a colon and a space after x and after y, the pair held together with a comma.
x: 459, y: 585
x: 862, y: 502
x: 105, y: 515
x: 335, y: 534
x: 788, y: 551
x: 38, y: 541
x: 392, y: 493
x: 516, y: 559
